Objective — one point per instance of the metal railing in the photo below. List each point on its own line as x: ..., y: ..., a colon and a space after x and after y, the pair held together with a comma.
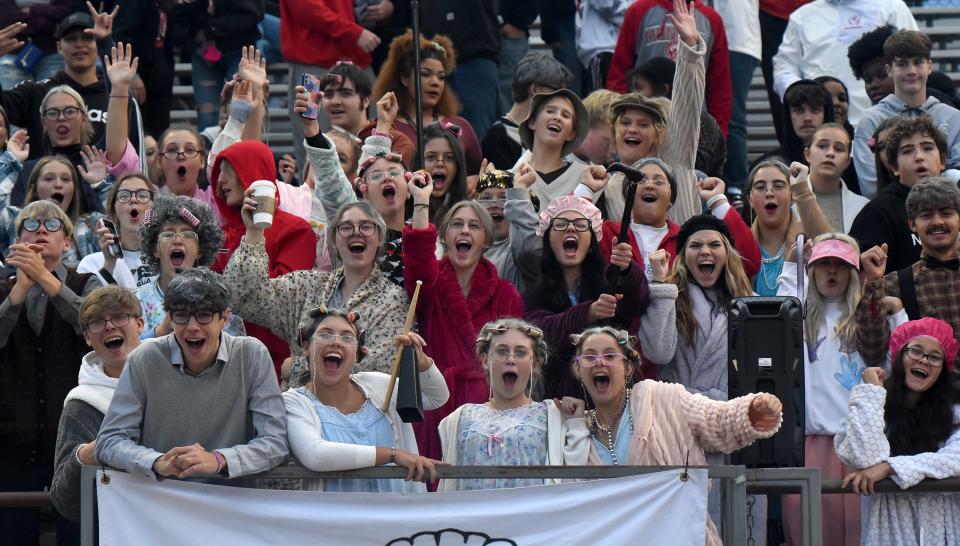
x: 735, y: 482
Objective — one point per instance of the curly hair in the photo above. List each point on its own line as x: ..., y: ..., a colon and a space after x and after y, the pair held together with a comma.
x: 868, y: 48
x: 626, y: 342
x: 496, y: 327
x: 167, y: 209
x: 399, y: 64
x: 924, y: 426
x: 315, y: 317
x: 906, y: 128
x: 932, y: 193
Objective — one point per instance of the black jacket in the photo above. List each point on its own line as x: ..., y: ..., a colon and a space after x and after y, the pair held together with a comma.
x: 884, y: 220
x: 22, y: 104
x: 232, y: 25
x: 470, y: 24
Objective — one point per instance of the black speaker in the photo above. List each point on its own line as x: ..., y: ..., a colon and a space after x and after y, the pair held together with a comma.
x: 409, y: 401
x: 765, y: 354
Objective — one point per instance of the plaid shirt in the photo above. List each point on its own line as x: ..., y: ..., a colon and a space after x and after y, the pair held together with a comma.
x: 9, y: 170
x: 938, y: 296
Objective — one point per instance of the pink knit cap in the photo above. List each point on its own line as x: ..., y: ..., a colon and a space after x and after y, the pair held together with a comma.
x: 835, y: 248
x: 576, y: 204
x: 930, y: 327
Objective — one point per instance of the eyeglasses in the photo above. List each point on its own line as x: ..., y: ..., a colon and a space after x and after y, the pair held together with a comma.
x: 346, y: 229
x: 169, y: 236
x: 777, y: 187
x: 656, y: 181
x: 487, y: 203
x: 458, y: 225
x: 917, y: 355
x: 189, y: 153
x: 183, y: 317
x: 380, y: 175
x: 520, y: 356
x: 53, y: 114
x: 433, y: 158
x: 119, y: 321
x: 328, y: 337
x: 608, y: 359
x: 561, y: 224
x: 138, y: 196
x: 33, y: 224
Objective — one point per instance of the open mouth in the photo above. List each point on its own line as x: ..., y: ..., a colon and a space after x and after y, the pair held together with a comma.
x: 571, y: 244
x: 182, y: 171
x: 649, y: 198
x: 177, y: 257
x: 632, y: 141
x: 389, y: 191
x: 601, y: 380
x: 937, y: 231
x: 332, y: 361
x: 707, y: 267
x: 496, y: 215
x: 195, y: 343
x: 336, y: 111
x: 357, y: 248
x: 509, y: 379
x: 134, y: 214
x: 439, y: 179
x: 57, y: 198
x: 771, y: 207
x: 554, y: 128
x: 919, y: 373
x: 922, y: 172
x: 463, y: 247
x: 62, y: 131
x: 113, y: 343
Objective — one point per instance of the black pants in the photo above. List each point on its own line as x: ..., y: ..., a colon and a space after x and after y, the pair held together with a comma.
x: 156, y: 71
x: 771, y: 34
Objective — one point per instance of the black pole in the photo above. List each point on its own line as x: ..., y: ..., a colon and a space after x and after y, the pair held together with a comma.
x: 415, y: 15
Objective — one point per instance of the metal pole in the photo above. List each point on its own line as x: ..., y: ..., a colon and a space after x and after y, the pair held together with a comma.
x: 415, y: 15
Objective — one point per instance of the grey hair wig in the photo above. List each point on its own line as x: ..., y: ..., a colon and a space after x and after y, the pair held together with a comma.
x: 538, y: 69
x: 166, y: 209
x: 932, y: 193
x: 482, y: 214
x: 197, y: 289
x: 367, y: 208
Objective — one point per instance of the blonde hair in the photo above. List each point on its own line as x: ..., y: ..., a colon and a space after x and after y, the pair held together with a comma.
x: 538, y: 344
x: 599, y: 106
x: 43, y: 210
x: 734, y: 283
x: 74, y: 211
x: 86, y: 128
x: 846, y: 328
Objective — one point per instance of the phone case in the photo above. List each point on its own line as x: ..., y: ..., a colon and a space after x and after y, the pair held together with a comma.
x: 312, y: 84
x: 115, y: 248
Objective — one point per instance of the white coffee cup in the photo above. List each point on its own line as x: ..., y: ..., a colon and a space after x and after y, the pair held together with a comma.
x: 265, y: 193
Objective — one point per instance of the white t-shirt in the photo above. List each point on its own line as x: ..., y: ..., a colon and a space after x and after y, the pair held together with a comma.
x: 741, y: 19
x: 648, y: 239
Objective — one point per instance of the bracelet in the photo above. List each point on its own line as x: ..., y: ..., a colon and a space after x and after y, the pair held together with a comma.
x: 715, y: 199
x: 393, y: 455
x: 418, y: 205
x: 119, y: 96
x: 220, y: 461
x: 378, y: 132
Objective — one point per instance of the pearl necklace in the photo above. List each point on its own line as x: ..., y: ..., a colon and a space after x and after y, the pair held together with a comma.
x: 764, y: 277
x: 610, y: 430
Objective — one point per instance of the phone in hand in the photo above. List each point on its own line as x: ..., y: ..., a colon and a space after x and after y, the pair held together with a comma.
x: 312, y: 84
x: 115, y: 248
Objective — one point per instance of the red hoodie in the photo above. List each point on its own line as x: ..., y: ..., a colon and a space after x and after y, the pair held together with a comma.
x: 291, y: 243
x: 646, y: 33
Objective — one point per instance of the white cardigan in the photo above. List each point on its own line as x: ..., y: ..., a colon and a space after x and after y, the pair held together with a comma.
x: 568, y: 441
x: 305, y: 431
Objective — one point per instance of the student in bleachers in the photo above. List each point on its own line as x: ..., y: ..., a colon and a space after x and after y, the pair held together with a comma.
x: 818, y: 34
x: 437, y: 62
x: 828, y: 155
x: 380, y: 178
x: 557, y: 124
x: 535, y: 73
x: 832, y: 368
x: 460, y: 293
x: 774, y: 225
x: 915, y: 149
x: 355, y: 236
x: 867, y: 63
x: 654, y: 78
x: 515, y: 250
x: 11, y: 161
x: 177, y: 234
x: 181, y: 161
x: 654, y: 423
x: 685, y: 328
x: 908, y: 58
x: 443, y: 159
x: 127, y: 201
x: 841, y: 100
x: 878, y: 145
x: 335, y: 422
x: 111, y: 320
x: 225, y: 385
x: 576, y: 288
x: 905, y: 425
x: 599, y: 147
x: 644, y: 128
x: 511, y: 429
x: 40, y: 331
x: 928, y: 287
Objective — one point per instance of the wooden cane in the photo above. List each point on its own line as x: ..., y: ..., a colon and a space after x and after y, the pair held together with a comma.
x: 395, y: 369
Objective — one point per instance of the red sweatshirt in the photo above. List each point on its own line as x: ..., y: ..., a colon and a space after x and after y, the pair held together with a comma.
x: 290, y: 241
x: 646, y: 33
x: 320, y: 32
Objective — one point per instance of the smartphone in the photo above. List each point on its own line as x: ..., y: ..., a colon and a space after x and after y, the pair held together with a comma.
x: 312, y: 84
x: 115, y: 248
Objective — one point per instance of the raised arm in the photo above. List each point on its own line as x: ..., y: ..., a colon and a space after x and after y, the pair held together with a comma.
x: 121, y: 68
x: 419, y: 241
x: 525, y: 246
x: 724, y: 426
x: 873, y: 332
x: 253, y: 69
x: 658, y: 329
x: 861, y: 442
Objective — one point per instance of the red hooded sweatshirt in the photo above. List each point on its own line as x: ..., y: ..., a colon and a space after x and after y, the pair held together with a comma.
x: 290, y: 241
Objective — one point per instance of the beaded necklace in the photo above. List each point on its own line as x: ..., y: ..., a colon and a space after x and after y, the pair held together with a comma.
x: 778, y: 260
x: 610, y: 430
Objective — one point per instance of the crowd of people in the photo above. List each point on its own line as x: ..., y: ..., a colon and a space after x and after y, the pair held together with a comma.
x: 163, y: 315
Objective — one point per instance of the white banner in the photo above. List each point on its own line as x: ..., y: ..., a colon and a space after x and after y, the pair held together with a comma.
x: 649, y: 509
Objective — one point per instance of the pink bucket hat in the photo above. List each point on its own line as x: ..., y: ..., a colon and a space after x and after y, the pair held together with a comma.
x: 930, y: 327
x: 835, y: 248
x: 576, y: 204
